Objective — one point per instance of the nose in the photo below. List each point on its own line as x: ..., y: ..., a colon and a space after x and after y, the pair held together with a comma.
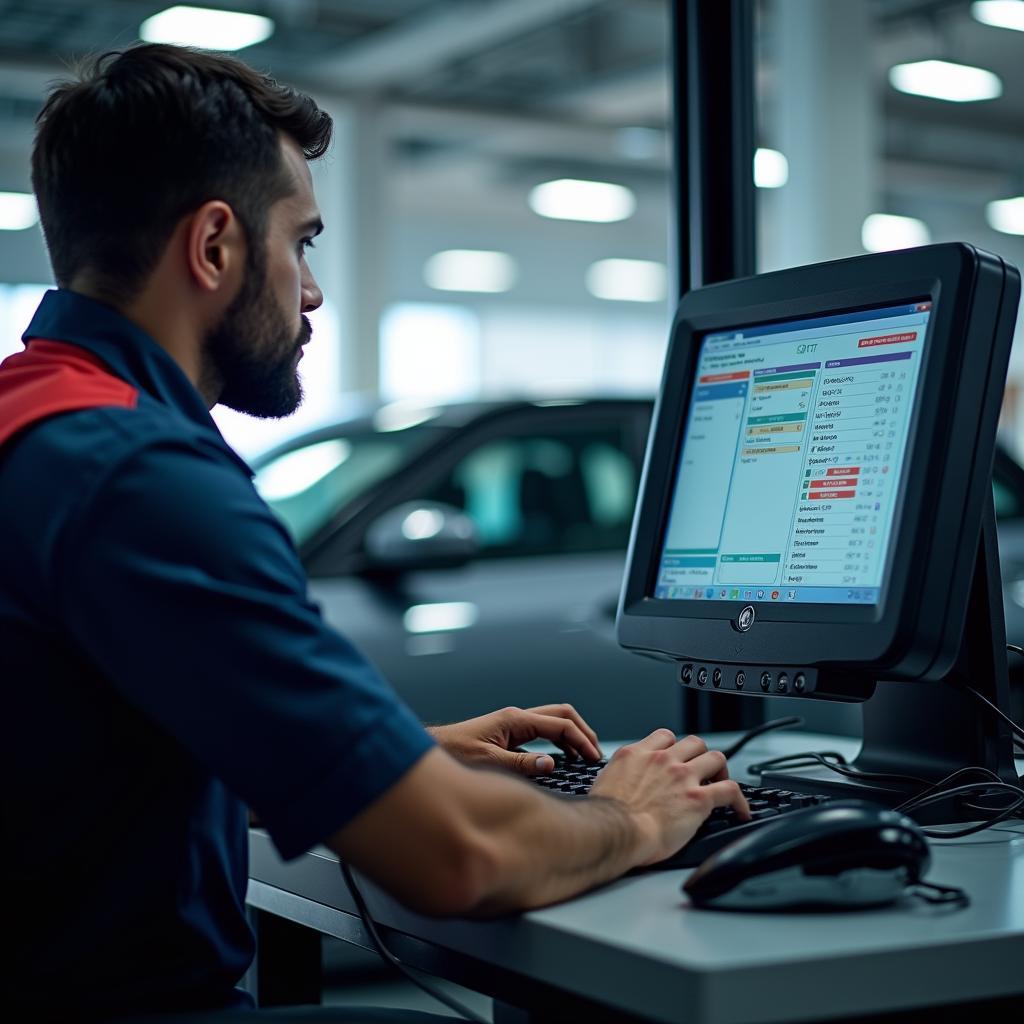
x: 312, y: 297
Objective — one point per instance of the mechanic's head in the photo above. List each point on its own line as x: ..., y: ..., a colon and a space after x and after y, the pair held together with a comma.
x: 175, y: 181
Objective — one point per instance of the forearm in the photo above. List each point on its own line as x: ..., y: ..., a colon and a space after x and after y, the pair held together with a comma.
x: 543, y: 849
x: 447, y: 839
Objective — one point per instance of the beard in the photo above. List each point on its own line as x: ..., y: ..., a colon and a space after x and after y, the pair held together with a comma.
x: 253, y: 352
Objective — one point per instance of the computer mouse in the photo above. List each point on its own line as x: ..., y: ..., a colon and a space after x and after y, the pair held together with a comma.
x: 838, y: 855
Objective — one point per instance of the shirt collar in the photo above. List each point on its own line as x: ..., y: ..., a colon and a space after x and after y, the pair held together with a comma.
x: 127, y: 349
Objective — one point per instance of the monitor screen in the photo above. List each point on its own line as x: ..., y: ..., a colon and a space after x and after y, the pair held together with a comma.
x: 792, y: 459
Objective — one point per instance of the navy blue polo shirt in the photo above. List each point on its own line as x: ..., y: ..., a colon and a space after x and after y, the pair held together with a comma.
x: 162, y: 670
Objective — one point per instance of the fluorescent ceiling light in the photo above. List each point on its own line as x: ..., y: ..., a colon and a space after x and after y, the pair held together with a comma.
x: 1000, y: 13
x: 470, y: 270
x: 210, y: 29
x: 1006, y: 215
x: 943, y: 80
x: 573, y: 199
x: 771, y: 168
x: 627, y: 280
x: 884, y: 231
x: 18, y: 211
x: 296, y: 472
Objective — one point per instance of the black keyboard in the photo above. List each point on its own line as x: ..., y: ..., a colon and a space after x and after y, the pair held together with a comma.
x: 573, y: 778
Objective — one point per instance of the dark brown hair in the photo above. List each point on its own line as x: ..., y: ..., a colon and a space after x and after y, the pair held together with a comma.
x: 148, y: 134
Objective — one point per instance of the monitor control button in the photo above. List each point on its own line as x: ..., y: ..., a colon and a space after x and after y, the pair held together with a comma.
x: 799, y: 682
x: 741, y: 679
x: 766, y: 681
x: 702, y: 676
x: 782, y: 683
x: 745, y: 619
x: 716, y: 677
x: 686, y: 674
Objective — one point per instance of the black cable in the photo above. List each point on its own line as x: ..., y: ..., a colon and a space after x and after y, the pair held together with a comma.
x: 838, y: 764
x: 1006, y: 718
x: 759, y: 730
x: 1008, y: 812
x: 939, y: 792
x: 435, y: 993
x: 935, y: 787
x: 931, y: 794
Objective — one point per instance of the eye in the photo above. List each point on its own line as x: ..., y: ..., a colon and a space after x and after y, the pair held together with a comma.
x: 305, y: 244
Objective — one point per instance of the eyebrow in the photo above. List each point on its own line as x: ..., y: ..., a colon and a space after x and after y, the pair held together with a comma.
x: 313, y: 226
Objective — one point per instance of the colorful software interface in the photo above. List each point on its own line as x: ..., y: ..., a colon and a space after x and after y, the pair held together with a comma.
x: 792, y: 459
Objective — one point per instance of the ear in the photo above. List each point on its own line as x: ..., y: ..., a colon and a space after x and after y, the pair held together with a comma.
x: 215, y: 246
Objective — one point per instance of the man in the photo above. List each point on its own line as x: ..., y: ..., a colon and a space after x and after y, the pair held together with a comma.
x: 163, y: 667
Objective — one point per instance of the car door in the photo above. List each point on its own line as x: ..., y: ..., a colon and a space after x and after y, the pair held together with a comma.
x: 530, y: 619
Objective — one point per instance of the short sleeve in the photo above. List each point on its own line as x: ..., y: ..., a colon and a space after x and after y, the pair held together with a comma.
x: 178, y: 582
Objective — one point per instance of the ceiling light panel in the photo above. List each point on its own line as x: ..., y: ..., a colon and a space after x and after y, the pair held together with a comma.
x: 882, y: 232
x: 470, y: 270
x: 944, y: 80
x: 1006, y: 215
x: 1000, y: 13
x: 574, y: 199
x: 18, y: 211
x: 206, y: 28
x: 627, y: 280
x: 771, y: 168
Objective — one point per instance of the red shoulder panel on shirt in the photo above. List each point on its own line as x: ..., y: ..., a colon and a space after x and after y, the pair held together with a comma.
x: 52, y: 377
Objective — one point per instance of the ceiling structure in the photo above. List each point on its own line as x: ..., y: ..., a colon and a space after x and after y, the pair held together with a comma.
x: 495, y: 95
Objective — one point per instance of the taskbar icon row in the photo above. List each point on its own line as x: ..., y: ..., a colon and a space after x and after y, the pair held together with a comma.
x: 725, y: 594
x: 816, y: 594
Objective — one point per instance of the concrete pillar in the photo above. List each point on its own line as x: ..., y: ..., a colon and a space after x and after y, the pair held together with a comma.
x: 825, y: 122
x: 349, y: 258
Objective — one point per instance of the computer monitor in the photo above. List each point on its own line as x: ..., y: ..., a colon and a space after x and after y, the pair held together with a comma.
x: 815, y: 516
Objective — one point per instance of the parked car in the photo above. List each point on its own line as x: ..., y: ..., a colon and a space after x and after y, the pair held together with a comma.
x: 474, y: 552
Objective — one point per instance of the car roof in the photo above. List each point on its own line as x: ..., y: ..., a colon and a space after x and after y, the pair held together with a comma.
x: 458, y: 414
x: 445, y: 416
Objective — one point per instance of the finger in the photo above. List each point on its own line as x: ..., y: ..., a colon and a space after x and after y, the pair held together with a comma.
x: 690, y: 747
x: 566, y: 734
x: 660, y: 739
x: 524, y: 762
x: 729, y: 794
x: 710, y: 767
x: 568, y: 711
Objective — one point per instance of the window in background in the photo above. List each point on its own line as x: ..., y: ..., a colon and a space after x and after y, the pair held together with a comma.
x: 17, y: 304
x: 540, y: 351
x: 429, y: 352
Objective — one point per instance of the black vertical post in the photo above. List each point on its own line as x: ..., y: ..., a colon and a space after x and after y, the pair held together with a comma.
x: 712, y: 64
x: 713, y: 140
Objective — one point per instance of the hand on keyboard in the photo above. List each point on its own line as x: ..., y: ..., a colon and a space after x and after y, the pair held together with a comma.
x: 670, y: 788
x: 487, y: 741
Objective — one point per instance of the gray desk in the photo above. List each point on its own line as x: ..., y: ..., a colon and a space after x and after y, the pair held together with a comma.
x: 636, y: 946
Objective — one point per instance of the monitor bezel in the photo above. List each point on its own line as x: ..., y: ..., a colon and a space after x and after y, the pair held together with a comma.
x: 906, y: 635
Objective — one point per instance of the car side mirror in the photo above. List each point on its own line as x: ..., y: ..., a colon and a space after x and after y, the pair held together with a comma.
x: 421, y: 535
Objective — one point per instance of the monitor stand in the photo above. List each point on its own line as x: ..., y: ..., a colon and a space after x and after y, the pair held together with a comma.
x: 930, y: 730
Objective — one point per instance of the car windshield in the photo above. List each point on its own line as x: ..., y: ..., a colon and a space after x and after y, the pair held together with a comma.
x: 307, y: 484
